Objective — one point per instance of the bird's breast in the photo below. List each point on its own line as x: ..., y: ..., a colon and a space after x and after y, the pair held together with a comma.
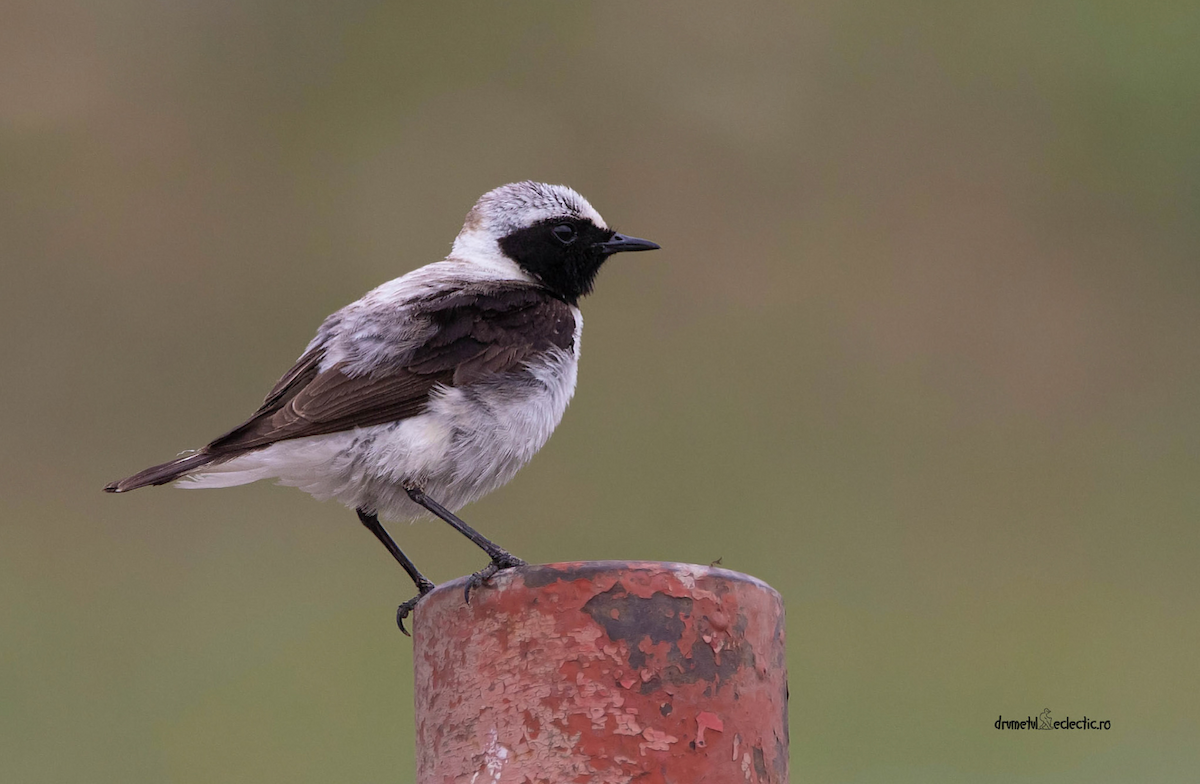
x: 513, y: 413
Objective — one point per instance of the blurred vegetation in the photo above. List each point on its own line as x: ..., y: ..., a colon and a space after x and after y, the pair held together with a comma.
x: 920, y: 351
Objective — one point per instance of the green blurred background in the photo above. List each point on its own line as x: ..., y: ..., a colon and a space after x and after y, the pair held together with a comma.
x: 921, y: 350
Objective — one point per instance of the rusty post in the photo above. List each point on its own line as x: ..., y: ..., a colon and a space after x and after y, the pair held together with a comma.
x: 602, y: 672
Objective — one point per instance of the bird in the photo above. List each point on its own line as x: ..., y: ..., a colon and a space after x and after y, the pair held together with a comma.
x: 435, y: 388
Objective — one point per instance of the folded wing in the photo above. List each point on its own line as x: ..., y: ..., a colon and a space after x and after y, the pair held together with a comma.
x: 467, y: 335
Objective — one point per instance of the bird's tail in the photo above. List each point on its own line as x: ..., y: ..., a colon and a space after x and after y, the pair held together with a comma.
x: 162, y: 474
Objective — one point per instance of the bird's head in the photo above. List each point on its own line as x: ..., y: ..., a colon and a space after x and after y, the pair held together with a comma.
x: 549, y: 231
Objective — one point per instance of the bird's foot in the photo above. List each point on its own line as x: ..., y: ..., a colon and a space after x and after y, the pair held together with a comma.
x: 404, y: 610
x: 503, y: 560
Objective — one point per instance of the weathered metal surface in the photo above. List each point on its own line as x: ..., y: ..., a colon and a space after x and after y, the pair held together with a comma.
x: 602, y: 672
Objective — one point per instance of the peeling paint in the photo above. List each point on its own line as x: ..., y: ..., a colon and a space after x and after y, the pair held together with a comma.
x: 493, y: 761
x: 602, y: 672
x: 707, y: 721
x: 658, y: 741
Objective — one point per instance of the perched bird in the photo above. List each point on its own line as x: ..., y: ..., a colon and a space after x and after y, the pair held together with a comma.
x: 435, y: 388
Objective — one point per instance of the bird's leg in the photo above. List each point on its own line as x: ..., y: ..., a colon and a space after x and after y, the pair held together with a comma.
x: 501, y: 558
x: 424, y: 585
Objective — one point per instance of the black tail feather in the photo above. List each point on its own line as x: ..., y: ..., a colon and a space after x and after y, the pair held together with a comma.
x: 162, y: 474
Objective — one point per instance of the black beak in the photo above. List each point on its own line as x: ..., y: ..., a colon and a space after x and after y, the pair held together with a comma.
x: 619, y: 243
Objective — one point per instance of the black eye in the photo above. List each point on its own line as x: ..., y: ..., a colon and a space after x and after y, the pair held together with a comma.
x: 564, y: 233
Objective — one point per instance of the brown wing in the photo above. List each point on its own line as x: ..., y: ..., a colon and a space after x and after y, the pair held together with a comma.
x: 472, y: 335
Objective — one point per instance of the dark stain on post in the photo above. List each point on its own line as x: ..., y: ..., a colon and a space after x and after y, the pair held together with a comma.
x: 760, y: 763
x: 781, y: 760
x: 704, y: 665
x: 632, y: 618
x: 539, y: 576
x: 662, y: 618
x: 787, y: 695
x: 652, y: 685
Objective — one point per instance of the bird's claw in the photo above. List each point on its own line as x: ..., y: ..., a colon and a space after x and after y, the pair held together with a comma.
x: 502, y: 561
x: 404, y: 610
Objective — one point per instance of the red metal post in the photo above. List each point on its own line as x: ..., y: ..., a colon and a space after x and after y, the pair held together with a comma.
x: 605, y: 672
